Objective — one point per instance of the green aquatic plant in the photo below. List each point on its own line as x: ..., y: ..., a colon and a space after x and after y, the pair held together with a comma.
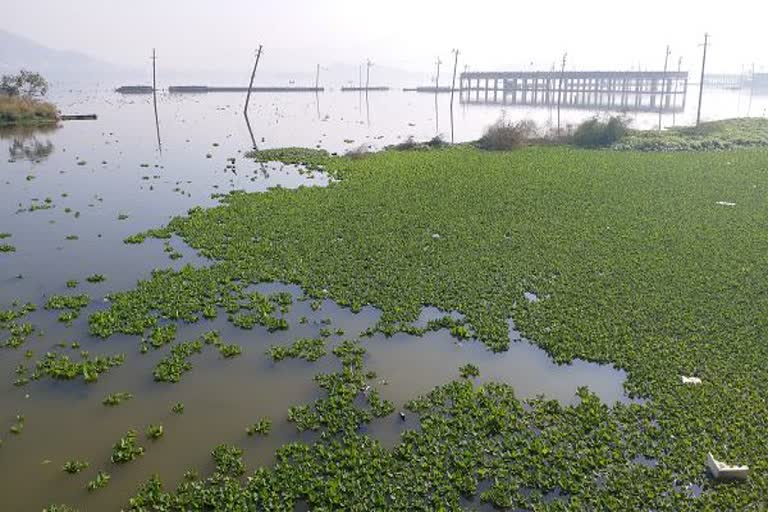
x: 96, y: 278
x: 122, y: 216
x: 72, y: 283
x: 306, y: 348
x: 261, y: 427
x: 116, y: 398
x: 469, y: 371
x: 61, y: 367
x: 634, y: 267
x: 230, y: 350
x: 155, y: 431
x: 101, y: 481
x: 162, y: 335
x: 7, y: 248
x: 176, y: 363
x: 72, y: 237
x: 126, y: 449
x: 71, y: 304
x: 178, y: 408
x: 229, y: 460
x: 75, y: 466
x: 3, y: 236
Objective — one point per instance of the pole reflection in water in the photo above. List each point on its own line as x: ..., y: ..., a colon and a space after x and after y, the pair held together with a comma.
x: 250, y: 130
x: 157, y: 123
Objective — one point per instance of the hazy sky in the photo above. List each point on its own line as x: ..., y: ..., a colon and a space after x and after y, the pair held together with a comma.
x: 492, y: 34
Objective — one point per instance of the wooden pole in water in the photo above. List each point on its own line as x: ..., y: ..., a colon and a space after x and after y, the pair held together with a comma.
x: 701, y: 83
x: 560, y: 92
x: 317, y: 78
x: 250, y: 84
x: 663, y: 85
x: 154, y: 99
x: 368, y: 65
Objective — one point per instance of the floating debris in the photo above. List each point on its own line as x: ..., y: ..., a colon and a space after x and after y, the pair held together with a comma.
x: 725, y: 203
x: 690, y: 380
x: 723, y: 471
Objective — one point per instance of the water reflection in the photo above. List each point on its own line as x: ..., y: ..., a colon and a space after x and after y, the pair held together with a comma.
x: 25, y: 145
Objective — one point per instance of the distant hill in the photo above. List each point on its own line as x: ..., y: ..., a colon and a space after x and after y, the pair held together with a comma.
x: 17, y: 52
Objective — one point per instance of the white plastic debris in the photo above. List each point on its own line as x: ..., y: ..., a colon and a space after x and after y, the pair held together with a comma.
x: 723, y: 471
x: 690, y: 380
x: 725, y: 203
x: 436, y: 236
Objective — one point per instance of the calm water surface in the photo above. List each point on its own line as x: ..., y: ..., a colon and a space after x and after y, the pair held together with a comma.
x: 110, y: 178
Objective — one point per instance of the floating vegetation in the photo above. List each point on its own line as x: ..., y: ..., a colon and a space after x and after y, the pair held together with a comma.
x: 96, y: 278
x: 638, y: 268
x: 469, y: 371
x: 122, y: 216
x: 61, y: 367
x: 305, y: 348
x: 175, y: 364
x: 126, y: 449
x: 178, y: 408
x: 72, y: 237
x: 162, y: 335
x: 261, y: 427
x: 75, y: 466
x: 101, y: 481
x: 3, y: 236
x: 116, y: 398
x: 71, y: 304
x: 7, y: 248
x: 18, y: 332
x: 155, y: 431
x: 72, y: 283
x: 18, y: 426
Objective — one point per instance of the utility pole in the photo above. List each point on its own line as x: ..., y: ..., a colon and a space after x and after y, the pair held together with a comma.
x: 453, y: 85
x: 368, y: 65
x: 253, y: 74
x: 663, y: 85
x: 560, y: 91
x: 360, y: 76
x: 751, y: 89
x: 317, y: 78
x: 674, y: 103
x: 701, y: 84
x: 154, y: 59
x: 455, y: 65
x: 437, y: 76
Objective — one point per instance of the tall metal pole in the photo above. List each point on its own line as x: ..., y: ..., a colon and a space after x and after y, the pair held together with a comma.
x: 560, y: 92
x: 701, y: 83
x: 663, y: 85
x: 250, y: 84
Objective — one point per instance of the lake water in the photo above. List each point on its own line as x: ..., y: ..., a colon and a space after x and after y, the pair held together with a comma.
x: 100, y: 181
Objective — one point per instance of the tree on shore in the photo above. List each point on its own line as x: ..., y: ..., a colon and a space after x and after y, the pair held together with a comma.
x: 26, y: 84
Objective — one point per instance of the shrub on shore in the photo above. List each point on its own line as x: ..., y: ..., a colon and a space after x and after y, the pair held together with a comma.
x: 24, y: 111
x: 595, y: 133
x: 505, y: 135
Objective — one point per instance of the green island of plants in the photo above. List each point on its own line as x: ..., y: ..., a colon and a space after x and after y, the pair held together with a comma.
x: 305, y: 348
x: 637, y: 263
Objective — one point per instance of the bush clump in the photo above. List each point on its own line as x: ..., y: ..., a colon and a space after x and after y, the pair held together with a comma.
x: 504, y: 135
x: 595, y: 133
